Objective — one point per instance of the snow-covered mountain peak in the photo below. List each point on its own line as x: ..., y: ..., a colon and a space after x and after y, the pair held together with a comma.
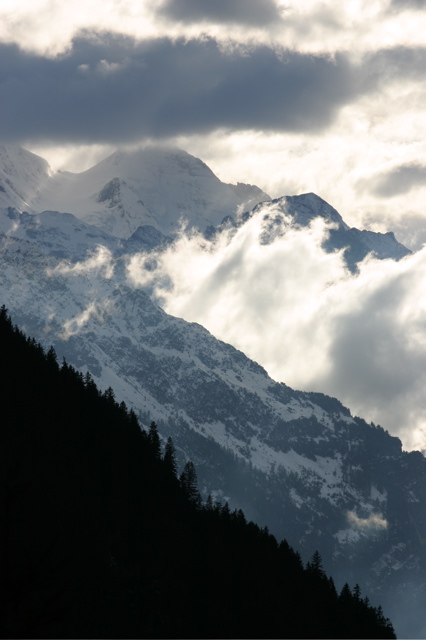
x: 156, y: 186
x: 300, y: 211
x: 153, y: 160
x: 306, y: 207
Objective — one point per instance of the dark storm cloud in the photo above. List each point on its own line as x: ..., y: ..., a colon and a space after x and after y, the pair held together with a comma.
x: 398, y: 180
x: 250, y: 12
x: 116, y: 90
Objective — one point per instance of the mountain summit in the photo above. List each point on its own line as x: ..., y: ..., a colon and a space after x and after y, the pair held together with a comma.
x: 300, y: 211
x: 160, y: 187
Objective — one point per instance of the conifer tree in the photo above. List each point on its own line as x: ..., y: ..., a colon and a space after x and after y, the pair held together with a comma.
x: 357, y: 592
x: 109, y: 395
x: 345, y: 596
x: 189, y: 484
x: 52, y: 359
x: 154, y: 440
x: 170, y: 456
x: 315, y: 565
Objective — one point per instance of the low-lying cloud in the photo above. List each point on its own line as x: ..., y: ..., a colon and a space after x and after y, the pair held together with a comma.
x: 375, y: 521
x: 297, y: 311
x: 99, y: 262
x: 74, y: 325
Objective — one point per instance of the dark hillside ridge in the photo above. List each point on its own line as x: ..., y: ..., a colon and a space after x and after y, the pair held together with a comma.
x: 100, y: 538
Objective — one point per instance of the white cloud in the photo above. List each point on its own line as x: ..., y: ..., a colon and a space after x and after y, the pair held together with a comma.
x: 296, y: 310
x: 74, y: 325
x: 100, y: 262
x: 105, y: 67
x: 374, y: 521
x: 48, y: 26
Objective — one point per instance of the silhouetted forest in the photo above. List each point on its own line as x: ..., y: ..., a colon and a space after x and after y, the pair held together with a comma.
x: 101, y: 537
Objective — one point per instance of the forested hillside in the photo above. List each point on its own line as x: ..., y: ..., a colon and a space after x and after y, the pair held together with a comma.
x: 101, y: 536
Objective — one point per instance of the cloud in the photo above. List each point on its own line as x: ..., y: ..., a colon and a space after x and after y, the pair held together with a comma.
x: 398, y: 180
x: 48, y: 26
x: 115, y: 89
x: 403, y: 5
x: 250, y: 12
x: 374, y: 521
x: 411, y: 227
x: 298, y: 312
x: 74, y: 325
x: 400, y: 63
x: 100, y: 262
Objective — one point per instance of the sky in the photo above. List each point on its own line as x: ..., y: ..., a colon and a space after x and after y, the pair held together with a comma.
x: 307, y: 96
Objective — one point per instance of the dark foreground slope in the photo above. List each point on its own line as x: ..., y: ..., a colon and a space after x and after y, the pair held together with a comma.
x: 99, y: 538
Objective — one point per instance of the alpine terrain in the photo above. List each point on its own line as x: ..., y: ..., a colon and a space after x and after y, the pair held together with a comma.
x: 299, y: 463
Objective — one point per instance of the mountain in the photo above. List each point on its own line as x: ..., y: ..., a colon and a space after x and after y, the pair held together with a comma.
x: 145, y: 196
x: 299, y: 463
x: 296, y: 212
x: 152, y: 186
x: 101, y: 538
x: 296, y: 462
x: 22, y: 176
x: 58, y: 234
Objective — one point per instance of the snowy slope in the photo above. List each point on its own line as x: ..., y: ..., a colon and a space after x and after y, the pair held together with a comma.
x: 59, y: 234
x: 22, y: 176
x: 157, y: 187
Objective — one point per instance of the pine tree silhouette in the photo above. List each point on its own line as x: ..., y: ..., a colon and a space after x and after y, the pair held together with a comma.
x: 154, y: 440
x: 170, y: 457
x: 189, y: 484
